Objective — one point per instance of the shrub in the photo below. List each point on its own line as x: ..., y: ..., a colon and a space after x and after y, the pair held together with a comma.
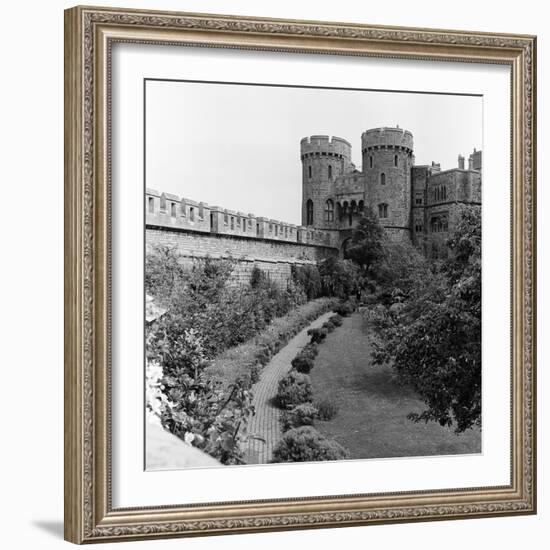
x: 306, y: 444
x: 345, y: 308
x: 339, y: 277
x: 302, y: 363
x: 329, y: 325
x: 327, y: 409
x: 301, y: 415
x: 294, y: 389
x: 308, y: 278
x: 317, y: 334
x: 310, y: 350
x: 336, y: 320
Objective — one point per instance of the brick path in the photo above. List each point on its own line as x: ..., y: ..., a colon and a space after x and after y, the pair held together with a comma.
x: 265, y: 423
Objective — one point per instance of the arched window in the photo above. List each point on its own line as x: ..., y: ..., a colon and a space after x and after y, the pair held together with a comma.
x: 329, y: 211
x: 329, y: 171
x: 309, y: 212
x: 191, y: 214
x: 382, y: 179
x: 395, y: 160
x: 383, y: 210
x: 309, y: 171
x: 361, y: 206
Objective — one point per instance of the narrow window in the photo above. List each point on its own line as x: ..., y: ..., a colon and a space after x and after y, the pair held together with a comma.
x: 232, y: 222
x: 191, y: 214
x: 225, y: 218
x: 276, y: 230
x: 382, y: 210
x: 329, y: 211
x: 309, y: 212
x: 370, y: 160
x: 257, y: 229
x: 173, y: 209
x: 329, y: 171
x: 395, y: 160
x: 309, y: 171
x: 244, y: 224
x: 151, y: 205
x: 382, y: 179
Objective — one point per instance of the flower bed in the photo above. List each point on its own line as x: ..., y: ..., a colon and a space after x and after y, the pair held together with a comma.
x: 245, y: 362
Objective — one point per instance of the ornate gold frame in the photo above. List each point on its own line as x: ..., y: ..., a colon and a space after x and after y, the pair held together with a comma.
x: 89, y: 34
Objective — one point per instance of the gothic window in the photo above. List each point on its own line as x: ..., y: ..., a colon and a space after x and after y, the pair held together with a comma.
x: 383, y: 210
x: 151, y: 205
x: 329, y: 211
x: 418, y: 200
x: 309, y: 212
x: 418, y: 228
x: 382, y: 179
x: 329, y: 171
x: 395, y: 160
x: 309, y: 171
x: 370, y: 160
x: 361, y: 206
x: 191, y: 214
x: 173, y: 209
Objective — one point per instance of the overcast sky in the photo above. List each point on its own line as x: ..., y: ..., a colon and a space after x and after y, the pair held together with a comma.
x: 238, y: 146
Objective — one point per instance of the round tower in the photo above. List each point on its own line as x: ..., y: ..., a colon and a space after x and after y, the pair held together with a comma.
x: 387, y: 162
x: 324, y: 158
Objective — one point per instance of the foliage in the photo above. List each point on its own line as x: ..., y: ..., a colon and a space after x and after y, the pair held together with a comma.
x: 317, y: 334
x: 345, y: 308
x: 433, y: 337
x: 196, y: 409
x: 327, y: 409
x: 294, y: 389
x: 301, y: 415
x: 399, y: 269
x: 308, y: 278
x: 336, y: 320
x: 306, y: 444
x: 203, y: 297
x: 365, y: 247
x: 244, y: 361
x: 302, y: 363
x: 339, y: 278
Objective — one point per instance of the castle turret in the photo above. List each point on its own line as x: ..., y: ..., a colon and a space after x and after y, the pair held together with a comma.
x: 387, y: 162
x: 323, y: 160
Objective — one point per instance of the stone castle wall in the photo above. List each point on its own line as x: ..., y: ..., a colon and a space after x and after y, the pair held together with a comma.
x: 196, y: 231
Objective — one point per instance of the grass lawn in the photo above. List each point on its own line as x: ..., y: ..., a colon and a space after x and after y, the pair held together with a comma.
x: 372, y: 418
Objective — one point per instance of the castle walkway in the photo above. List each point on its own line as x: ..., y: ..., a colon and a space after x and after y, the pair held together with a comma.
x: 265, y: 423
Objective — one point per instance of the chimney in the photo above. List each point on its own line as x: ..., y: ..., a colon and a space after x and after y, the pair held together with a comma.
x: 460, y: 162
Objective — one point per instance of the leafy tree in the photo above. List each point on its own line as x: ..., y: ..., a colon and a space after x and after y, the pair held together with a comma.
x: 365, y: 247
x: 339, y: 277
x: 434, y: 339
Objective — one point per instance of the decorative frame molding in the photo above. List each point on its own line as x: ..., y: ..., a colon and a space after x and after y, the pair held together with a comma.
x: 89, y: 34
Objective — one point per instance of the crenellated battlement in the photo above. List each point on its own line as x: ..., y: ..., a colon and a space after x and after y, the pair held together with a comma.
x: 387, y: 138
x: 170, y: 211
x: 319, y: 145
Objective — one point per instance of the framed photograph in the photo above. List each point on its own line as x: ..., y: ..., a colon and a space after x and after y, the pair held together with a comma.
x: 300, y: 274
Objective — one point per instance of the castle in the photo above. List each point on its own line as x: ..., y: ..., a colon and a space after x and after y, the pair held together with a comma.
x: 414, y: 203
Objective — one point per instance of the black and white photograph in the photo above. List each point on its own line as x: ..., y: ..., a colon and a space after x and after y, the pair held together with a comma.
x: 312, y: 274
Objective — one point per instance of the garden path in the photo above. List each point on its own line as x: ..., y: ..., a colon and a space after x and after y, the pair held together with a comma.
x: 265, y: 423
